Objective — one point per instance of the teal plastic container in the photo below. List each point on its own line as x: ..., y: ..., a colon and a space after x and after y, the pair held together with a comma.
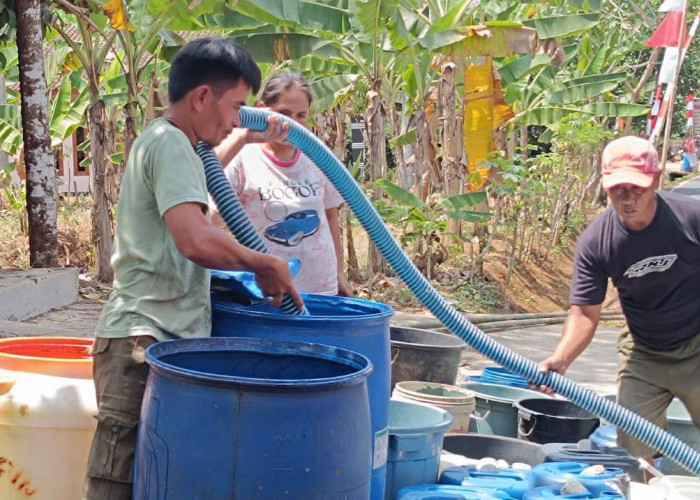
x: 552, y: 493
x: 495, y: 413
x: 515, y: 482
x: 448, y: 492
x: 681, y: 426
x: 416, y: 433
x: 558, y: 473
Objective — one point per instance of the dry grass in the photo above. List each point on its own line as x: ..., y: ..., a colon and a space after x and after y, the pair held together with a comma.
x: 532, y: 288
x: 74, y: 246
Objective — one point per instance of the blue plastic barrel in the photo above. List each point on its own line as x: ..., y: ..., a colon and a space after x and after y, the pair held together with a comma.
x: 449, y: 492
x: 552, y: 493
x: 416, y: 432
x: 358, y: 325
x: 558, y: 473
x: 515, y: 482
x: 253, y: 419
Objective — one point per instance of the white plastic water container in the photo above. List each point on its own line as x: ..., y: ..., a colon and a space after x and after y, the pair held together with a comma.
x: 47, y: 408
x: 678, y: 487
x: 641, y: 491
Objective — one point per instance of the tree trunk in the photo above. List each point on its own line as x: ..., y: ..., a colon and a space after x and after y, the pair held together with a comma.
x: 451, y: 141
x: 376, y: 159
x: 419, y: 153
x: 524, y: 141
x: 432, y: 173
x: 403, y: 177
x: 129, y: 129
x: 101, y: 213
x: 38, y: 158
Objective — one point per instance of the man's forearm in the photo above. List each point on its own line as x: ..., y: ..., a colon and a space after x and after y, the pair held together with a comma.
x: 579, y: 330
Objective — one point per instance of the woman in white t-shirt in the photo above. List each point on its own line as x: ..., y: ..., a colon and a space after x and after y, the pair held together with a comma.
x: 287, y: 198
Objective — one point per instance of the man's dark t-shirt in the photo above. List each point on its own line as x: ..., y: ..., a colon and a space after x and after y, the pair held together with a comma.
x: 656, y: 270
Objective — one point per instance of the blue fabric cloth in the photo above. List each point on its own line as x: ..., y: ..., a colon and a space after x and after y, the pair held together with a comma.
x: 243, y: 283
x: 686, y: 163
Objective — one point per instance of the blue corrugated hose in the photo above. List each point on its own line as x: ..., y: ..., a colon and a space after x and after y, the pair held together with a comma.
x: 628, y: 421
x: 231, y: 210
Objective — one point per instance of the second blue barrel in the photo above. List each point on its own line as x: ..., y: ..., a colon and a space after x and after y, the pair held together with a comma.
x: 354, y: 324
x: 253, y: 419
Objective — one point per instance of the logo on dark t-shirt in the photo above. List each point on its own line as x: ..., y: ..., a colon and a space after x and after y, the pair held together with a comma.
x: 657, y: 264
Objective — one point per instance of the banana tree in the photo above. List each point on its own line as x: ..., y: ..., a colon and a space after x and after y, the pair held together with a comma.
x: 66, y: 114
x: 586, y: 84
x: 424, y: 224
x: 91, y: 50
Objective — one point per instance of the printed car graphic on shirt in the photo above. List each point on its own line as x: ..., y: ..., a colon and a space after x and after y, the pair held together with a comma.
x: 294, y: 228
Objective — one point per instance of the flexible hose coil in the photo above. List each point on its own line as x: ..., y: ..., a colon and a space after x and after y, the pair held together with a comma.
x: 231, y: 210
x: 628, y: 421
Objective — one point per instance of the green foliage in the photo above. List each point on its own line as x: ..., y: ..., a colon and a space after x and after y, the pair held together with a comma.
x: 424, y: 224
x: 15, y: 195
x: 485, y: 297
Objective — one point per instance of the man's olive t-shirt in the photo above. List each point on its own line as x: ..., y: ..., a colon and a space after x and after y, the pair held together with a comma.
x: 656, y: 270
x: 157, y: 291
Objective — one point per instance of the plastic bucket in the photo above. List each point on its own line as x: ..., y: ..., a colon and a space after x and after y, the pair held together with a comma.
x: 253, y: 419
x: 641, y: 491
x: 357, y: 325
x: 495, y: 413
x: 47, y: 417
x: 415, y: 441
x: 678, y: 487
x: 424, y: 355
x: 478, y: 446
x: 554, y: 421
x: 459, y: 402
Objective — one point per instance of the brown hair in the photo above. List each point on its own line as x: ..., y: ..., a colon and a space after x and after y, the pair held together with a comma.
x: 280, y: 83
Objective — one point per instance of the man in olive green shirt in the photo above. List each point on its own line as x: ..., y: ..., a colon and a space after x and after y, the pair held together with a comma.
x: 165, y: 245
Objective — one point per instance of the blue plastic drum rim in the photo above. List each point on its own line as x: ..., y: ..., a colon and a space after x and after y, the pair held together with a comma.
x: 359, y: 310
x: 360, y: 363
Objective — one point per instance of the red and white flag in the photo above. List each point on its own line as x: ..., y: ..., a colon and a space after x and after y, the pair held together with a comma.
x: 668, y: 33
x: 670, y: 5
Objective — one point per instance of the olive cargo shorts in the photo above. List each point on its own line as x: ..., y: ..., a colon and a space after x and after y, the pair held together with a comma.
x: 649, y: 379
x: 120, y: 372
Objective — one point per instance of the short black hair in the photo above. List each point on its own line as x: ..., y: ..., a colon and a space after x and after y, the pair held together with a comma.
x: 218, y: 62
